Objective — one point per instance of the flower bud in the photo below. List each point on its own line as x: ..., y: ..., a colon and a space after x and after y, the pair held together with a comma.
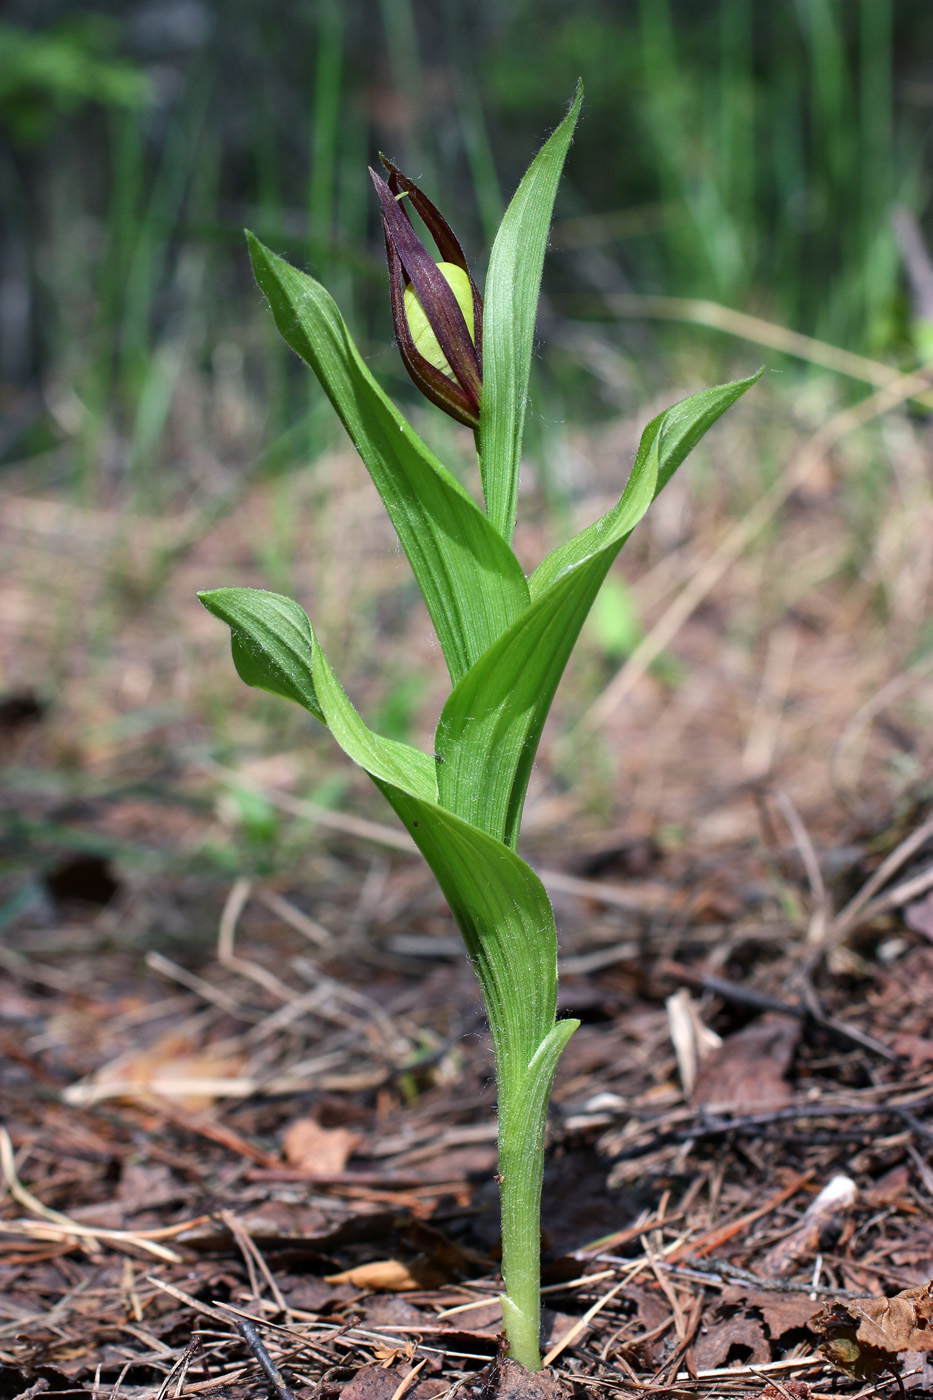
x: 436, y: 307
x: 426, y: 342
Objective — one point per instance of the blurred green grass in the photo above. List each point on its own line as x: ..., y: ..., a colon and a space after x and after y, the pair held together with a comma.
x: 748, y: 155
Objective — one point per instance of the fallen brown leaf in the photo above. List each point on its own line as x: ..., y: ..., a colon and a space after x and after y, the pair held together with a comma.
x: 389, y: 1275
x: 321, y: 1152
x: 375, y: 1383
x: 864, y: 1336
x: 172, y: 1067
x: 746, y: 1074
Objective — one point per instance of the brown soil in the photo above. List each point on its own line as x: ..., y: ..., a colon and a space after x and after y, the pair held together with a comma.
x: 247, y: 1091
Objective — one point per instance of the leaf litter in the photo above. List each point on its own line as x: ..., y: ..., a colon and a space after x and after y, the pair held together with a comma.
x: 249, y: 1144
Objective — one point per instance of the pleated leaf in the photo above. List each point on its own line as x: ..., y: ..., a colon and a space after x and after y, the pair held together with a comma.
x: 498, y: 901
x: 500, y: 905
x: 491, y: 725
x: 471, y: 581
x: 276, y: 636
x: 270, y: 637
x: 510, y: 307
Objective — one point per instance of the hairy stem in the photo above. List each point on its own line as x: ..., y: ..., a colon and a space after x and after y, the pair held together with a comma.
x: 523, y: 1101
x: 520, y: 1173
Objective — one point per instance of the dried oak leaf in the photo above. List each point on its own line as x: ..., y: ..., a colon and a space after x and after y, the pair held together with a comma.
x: 864, y: 1336
x: 733, y: 1337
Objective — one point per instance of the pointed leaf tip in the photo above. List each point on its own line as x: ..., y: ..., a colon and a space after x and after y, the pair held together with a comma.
x: 271, y: 641
x: 513, y: 284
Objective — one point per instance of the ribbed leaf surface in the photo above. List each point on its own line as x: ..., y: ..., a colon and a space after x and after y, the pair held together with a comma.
x: 270, y: 637
x: 471, y: 581
x: 499, y: 903
x: 276, y: 637
x: 491, y: 725
x: 510, y: 307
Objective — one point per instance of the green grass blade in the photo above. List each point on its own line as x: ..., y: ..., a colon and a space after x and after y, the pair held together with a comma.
x: 511, y: 303
x: 471, y: 581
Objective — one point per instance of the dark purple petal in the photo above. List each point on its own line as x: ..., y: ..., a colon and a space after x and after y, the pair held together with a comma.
x: 448, y: 245
x: 410, y: 262
x: 433, y: 383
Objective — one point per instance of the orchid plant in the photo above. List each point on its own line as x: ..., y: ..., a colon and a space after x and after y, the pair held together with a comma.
x: 506, y: 638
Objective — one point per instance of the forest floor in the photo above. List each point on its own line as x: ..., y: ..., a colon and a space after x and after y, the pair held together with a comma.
x: 247, y: 1092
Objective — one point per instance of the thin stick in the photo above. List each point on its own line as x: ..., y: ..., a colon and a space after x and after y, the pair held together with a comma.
x: 820, y: 913
x: 54, y: 1221
x: 580, y: 1324
x: 408, y: 1381
x: 271, y: 1372
x: 253, y: 1257
x: 186, y: 1298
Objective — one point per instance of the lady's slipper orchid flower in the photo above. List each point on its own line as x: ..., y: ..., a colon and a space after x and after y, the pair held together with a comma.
x: 436, y: 307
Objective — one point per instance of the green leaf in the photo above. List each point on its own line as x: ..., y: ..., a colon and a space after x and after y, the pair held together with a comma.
x: 680, y: 428
x: 387, y: 761
x: 498, y: 901
x: 509, y: 310
x: 491, y: 725
x: 271, y: 641
x: 274, y: 647
x: 505, y: 917
x: 471, y: 581
x: 507, y: 923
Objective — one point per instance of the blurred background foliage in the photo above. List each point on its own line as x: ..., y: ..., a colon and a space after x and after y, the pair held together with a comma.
x: 154, y: 428
x: 743, y: 153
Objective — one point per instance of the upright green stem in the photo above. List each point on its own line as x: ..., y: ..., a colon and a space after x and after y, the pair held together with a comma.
x: 523, y: 1099
x: 521, y: 1172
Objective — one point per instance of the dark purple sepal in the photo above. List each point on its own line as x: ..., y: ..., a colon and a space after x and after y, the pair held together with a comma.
x: 410, y: 262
